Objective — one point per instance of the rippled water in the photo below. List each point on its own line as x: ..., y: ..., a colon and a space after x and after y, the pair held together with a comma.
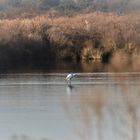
x: 97, y: 106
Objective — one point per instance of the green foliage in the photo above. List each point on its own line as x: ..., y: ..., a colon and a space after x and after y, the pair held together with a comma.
x: 67, y: 5
x: 74, y: 5
x: 15, y: 2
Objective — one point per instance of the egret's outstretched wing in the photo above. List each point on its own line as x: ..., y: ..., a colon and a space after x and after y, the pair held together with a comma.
x: 69, y: 76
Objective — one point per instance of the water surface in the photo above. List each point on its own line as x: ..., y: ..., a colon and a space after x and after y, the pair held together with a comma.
x: 97, y: 106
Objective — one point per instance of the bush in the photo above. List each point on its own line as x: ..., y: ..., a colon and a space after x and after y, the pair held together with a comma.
x: 45, y: 38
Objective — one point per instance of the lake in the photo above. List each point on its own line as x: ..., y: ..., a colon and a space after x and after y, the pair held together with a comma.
x: 97, y: 106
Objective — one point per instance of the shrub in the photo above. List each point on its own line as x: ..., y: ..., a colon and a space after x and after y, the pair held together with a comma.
x: 89, y: 36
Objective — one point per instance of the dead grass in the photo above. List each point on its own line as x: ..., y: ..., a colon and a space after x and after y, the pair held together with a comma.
x: 84, y: 37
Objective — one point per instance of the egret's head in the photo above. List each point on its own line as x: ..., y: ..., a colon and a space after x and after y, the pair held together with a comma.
x: 74, y: 75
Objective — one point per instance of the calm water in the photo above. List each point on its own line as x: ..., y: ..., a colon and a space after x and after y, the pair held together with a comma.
x: 98, y: 106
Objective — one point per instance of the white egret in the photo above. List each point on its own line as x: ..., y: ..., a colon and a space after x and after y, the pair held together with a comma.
x: 69, y: 77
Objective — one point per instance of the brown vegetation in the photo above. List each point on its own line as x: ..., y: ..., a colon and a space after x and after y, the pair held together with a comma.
x: 86, y: 37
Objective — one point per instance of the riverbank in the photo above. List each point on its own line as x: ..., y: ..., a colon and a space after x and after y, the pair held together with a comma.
x: 84, y: 37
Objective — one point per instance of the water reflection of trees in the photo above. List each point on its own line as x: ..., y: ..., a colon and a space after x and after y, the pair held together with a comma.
x: 131, y: 99
x: 105, y: 112
x: 86, y: 110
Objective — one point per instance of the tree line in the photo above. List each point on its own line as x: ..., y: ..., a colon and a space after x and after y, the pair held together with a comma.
x: 73, y: 5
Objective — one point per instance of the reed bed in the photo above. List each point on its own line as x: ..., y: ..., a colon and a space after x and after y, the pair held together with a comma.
x: 83, y: 37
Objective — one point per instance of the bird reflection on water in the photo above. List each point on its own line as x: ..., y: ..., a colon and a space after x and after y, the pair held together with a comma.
x: 70, y: 89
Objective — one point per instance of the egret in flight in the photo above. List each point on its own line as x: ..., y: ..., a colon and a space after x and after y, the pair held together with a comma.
x: 69, y: 77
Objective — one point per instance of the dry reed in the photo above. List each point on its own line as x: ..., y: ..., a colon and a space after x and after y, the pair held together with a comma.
x: 92, y: 36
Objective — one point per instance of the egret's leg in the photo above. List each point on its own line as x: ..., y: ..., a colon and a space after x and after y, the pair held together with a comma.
x: 68, y: 82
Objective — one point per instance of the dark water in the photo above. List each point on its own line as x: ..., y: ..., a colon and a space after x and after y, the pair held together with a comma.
x: 97, y: 106
x: 57, y: 67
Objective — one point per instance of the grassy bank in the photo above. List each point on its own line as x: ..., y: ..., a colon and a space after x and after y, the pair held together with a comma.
x: 83, y: 37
